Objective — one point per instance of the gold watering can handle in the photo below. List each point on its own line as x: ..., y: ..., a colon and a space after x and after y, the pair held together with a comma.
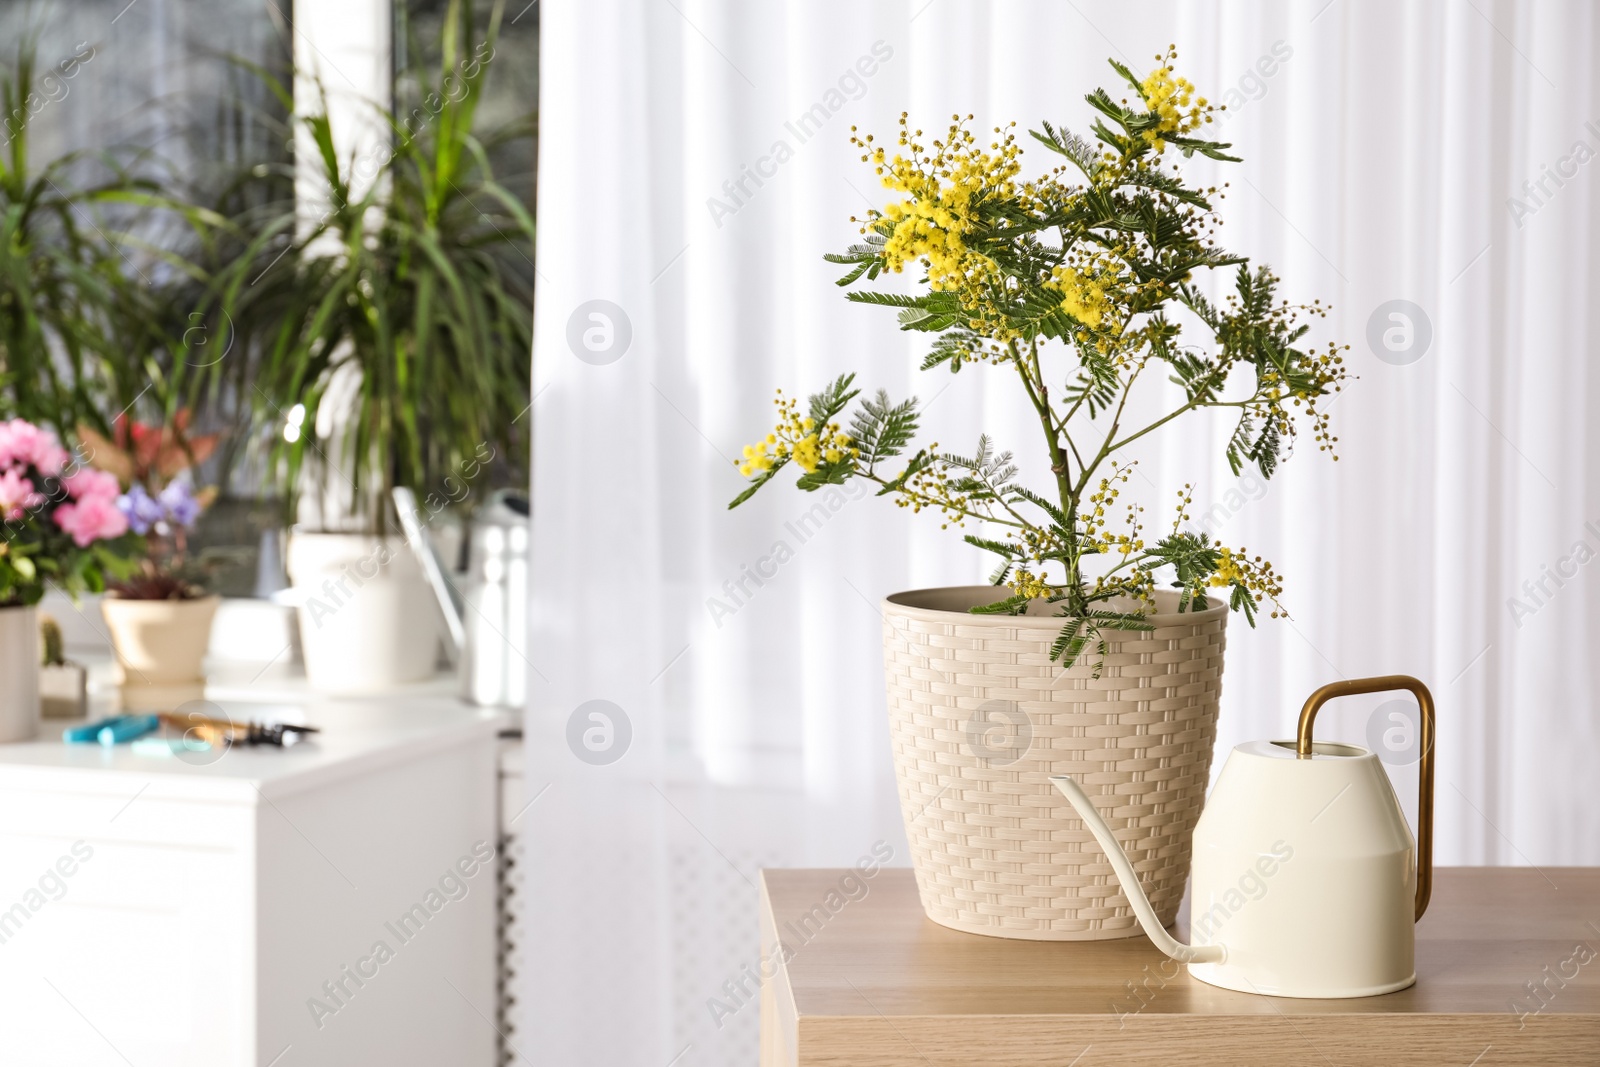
x: 1385, y: 684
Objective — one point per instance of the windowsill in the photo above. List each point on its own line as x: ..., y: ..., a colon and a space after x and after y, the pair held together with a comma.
x: 245, y: 630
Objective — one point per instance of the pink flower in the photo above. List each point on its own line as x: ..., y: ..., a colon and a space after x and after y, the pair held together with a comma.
x: 92, y: 518
x: 23, y: 442
x: 86, y: 483
x: 50, y: 457
x: 16, y: 495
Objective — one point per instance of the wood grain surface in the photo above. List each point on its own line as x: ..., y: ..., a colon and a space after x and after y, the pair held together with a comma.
x: 1508, y: 972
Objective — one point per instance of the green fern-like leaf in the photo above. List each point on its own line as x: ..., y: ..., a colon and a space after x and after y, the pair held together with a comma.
x: 896, y: 300
x: 1079, y: 633
x: 825, y: 475
x: 1079, y: 151
x: 954, y: 347
x: 1011, y: 605
x: 762, y: 479
x: 881, y: 429
x: 999, y: 548
x: 825, y: 405
x: 1070, y: 642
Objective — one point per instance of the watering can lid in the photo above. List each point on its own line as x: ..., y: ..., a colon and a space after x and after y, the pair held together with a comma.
x: 1285, y: 750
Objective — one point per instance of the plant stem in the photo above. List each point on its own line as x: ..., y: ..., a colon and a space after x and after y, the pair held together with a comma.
x: 1033, y: 382
x: 1193, y: 404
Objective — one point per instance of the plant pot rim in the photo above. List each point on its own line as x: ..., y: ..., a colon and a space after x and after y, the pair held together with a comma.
x: 916, y: 604
x: 298, y: 531
x: 110, y: 597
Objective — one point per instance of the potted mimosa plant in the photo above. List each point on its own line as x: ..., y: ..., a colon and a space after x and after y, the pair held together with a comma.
x: 1097, y: 647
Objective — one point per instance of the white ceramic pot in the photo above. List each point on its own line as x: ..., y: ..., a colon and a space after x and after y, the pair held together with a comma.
x: 19, y: 674
x: 980, y: 718
x: 368, y: 621
x: 160, y: 642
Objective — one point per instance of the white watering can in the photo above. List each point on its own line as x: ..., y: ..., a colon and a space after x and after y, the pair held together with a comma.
x: 1307, y: 882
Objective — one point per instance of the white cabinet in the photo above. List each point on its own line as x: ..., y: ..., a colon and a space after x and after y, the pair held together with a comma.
x: 331, y: 903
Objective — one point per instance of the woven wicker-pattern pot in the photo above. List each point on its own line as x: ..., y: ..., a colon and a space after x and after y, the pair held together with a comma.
x: 979, y: 718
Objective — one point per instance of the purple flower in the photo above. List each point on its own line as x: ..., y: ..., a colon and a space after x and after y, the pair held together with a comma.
x: 179, y: 501
x: 143, y: 510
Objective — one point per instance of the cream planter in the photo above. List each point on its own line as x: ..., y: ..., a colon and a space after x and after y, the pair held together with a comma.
x: 980, y: 718
x: 368, y: 620
x: 160, y: 642
x: 19, y: 674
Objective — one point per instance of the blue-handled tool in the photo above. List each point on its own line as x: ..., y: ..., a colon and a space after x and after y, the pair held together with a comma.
x: 81, y: 735
x: 128, y: 727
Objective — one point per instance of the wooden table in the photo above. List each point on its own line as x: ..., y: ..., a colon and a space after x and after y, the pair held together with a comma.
x: 870, y: 980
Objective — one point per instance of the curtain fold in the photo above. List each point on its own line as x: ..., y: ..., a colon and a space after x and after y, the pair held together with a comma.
x: 695, y: 167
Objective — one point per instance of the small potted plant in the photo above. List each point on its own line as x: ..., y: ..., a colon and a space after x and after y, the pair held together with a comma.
x: 160, y: 614
x: 63, y: 684
x: 1097, y: 647
x: 61, y: 525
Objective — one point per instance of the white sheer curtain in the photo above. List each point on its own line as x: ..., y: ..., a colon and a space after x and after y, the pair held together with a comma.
x: 1386, y: 149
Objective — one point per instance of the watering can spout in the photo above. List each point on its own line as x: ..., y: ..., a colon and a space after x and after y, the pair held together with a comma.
x: 1129, y: 880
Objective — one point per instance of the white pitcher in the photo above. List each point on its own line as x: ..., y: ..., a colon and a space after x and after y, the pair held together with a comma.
x: 1307, y: 881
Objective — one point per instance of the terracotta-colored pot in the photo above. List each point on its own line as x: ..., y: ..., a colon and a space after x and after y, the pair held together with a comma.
x: 160, y: 642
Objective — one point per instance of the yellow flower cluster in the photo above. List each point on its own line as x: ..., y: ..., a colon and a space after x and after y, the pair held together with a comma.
x: 932, y: 487
x: 1099, y: 292
x: 1327, y: 368
x: 938, y: 215
x: 1083, y: 295
x: 1138, y: 584
x: 1173, y: 101
x: 1255, y: 574
x: 799, y: 438
x: 757, y: 458
x: 1033, y: 586
x: 1228, y: 570
x: 1094, y: 514
x: 1185, y: 499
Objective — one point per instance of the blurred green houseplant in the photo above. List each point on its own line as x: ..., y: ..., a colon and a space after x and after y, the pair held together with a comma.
x: 406, y: 307
x: 58, y: 277
x: 99, y: 293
